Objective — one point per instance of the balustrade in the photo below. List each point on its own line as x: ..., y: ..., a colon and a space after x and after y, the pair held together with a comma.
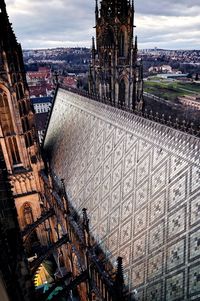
x: 181, y: 125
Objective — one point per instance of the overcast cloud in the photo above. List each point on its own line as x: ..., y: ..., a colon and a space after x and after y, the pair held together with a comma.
x: 52, y: 23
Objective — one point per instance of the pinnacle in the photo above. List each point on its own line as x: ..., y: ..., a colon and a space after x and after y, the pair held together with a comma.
x: 2, y: 4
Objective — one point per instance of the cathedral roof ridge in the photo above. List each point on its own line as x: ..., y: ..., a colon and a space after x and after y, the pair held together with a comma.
x: 155, y: 132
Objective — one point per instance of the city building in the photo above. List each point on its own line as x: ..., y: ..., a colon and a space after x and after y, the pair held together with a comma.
x: 162, y: 69
x: 41, y: 90
x: 42, y: 75
x: 41, y: 104
x: 40, y: 82
x: 40, y: 121
x: 70, y: 81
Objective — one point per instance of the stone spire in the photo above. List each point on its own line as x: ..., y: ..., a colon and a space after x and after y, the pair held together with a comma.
x: 97, y: 11
x: 119, y: 281
x: 2, y: 6
x: 93, y: 49
x: 7, y: 35
x: 114, y: 71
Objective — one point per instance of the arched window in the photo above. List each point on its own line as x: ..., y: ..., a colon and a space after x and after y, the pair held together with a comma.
x: 19, y: 77
x: 26, y: 140
x: 1, y: 101
x: 110, y: 59
x: 121, y: 44
x: 5, y: 116
x: 27, y: 123
x: 23, y: 125
x: 16, y: 62
x: 24, y: 108
x: 105, y: 56
x: 1, y: 62
x: 12, y: 68
x: 109, y: 37
x: 28, y: 214
x: 14, y: 150
x: 17, y: 92
x: 122, y: 92
x: 30, y: 139
x: 20, y: 109
x: 14, y: 78
x: 21, y: 92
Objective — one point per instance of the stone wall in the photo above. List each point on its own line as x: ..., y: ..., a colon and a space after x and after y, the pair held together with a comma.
x: 140, y: 183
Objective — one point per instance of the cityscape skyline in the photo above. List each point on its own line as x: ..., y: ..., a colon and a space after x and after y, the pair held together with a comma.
x: 162, y: 24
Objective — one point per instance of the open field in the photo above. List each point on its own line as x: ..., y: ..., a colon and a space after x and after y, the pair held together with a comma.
x: 171, y: 89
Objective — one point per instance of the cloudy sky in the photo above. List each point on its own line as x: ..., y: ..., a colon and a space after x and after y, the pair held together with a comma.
x: 170, y: 24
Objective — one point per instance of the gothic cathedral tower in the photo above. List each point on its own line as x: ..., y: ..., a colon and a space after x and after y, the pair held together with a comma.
x: 115, y: 73
x: 18, y: 138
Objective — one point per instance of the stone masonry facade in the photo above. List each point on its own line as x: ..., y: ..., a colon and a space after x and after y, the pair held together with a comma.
x: 139, y: 181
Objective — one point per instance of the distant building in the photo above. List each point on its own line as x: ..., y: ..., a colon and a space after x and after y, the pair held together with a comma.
x: 41, y: 104
x: 162, y: 69
x: 43, y: 74
x: 166, y: 68
x: 69, y: 81
x: 40, y: 120
x: 173, y: 75
x: 153, y: 69
x: 41, y: 90
x: 71, y: 74
x: 40, y: 82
